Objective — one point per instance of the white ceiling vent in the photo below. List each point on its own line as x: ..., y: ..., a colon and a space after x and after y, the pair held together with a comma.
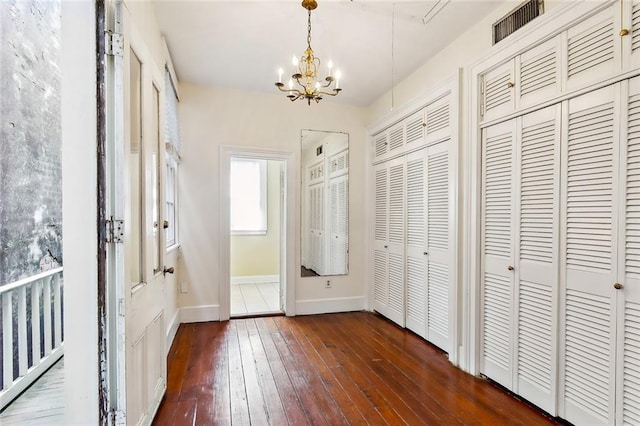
x: 517, y: 19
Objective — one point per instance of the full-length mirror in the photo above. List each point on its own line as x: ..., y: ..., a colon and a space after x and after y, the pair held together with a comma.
x: 325, y: 203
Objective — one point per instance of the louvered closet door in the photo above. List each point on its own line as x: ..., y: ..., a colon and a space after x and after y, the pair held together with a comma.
x: 381, y: 234
x: 396, y: 242
x: 593, y: 49
x: 631, y: 42
x: 414, y: 129
x: 628, y: 358
x: 590, y: 168
x: 438, y: 120
x: 396, y: 138
x: 537, y: 250
x: 380, y: 145
x: 438, y: 246
x: 498, y: 183
x: 338, y: 238
x: 416, y: 243
x: 538, y: 73
x: 497, y: 91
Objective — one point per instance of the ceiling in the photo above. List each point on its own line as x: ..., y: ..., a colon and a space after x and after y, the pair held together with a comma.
x: 241, y: 44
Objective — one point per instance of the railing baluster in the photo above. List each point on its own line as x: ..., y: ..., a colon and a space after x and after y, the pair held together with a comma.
x: 35, y: 321
x: 45, y: 352
x: 7, y: 340
x: 46, y: 305
x: 57, y: 312
x: 23, y: 360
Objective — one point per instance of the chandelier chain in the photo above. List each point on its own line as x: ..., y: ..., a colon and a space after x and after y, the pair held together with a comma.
x: 309, y: 30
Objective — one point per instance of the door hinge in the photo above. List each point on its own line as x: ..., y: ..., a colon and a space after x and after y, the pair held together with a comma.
x: 117, y: 417
x: 121, y: 307
x: 114, y: 44
x: 114, y: 230
x: 481, y: 110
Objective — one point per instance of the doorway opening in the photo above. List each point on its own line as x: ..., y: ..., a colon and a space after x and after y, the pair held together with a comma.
x: 257, y: 231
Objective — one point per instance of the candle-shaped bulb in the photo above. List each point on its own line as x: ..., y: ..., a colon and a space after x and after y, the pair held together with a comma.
x: 280, y: 71
x: 294, y: 61
x: 338, y: 75
x: 290, y: 84
x: 330, y: 65
x: 317, y: 84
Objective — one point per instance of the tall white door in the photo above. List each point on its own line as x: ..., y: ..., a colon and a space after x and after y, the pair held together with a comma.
x: 498, y: 221
x: 396, y: 241
x: 590, y: 168
x: 628, y: 290
x: 439, y: 246
x: 144, y: 292
x: 381, y: 234
x: 416, y: 200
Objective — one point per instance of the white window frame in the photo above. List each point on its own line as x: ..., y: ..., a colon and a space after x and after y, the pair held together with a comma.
x: 263, y: 228
x: 171, y: 202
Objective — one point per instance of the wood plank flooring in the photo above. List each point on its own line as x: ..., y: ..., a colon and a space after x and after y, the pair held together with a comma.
x: 335, y: 369
x: 41, y: 404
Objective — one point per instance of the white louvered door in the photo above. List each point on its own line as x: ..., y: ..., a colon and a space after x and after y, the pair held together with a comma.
x: 628, y: 303
x: 396, y: 241
x: 498, y: 183
x: 589, y: 164
x: 593, y: 49
x: 538, y: 72
x: 381, y: 234
x: 416, y: 320
x: 437, y: 120
x: 439, y: 245
x: 338, y: 224
x: 536, y: 251
x: 631, y: 42
x: 497, y: 91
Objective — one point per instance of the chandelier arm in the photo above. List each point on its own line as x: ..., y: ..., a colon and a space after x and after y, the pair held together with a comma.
x: 334, y: 93
x: 290, y: 91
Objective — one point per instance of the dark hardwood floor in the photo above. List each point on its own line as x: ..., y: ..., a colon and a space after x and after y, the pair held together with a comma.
x: 352, y: 368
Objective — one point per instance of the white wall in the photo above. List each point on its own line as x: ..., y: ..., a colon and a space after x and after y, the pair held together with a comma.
x: 213, y: 116
x: 80, y: 237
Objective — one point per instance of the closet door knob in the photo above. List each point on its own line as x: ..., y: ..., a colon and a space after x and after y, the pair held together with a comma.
x: 511, y: 268
x: 618, y: 286
x: 510, y: 85
x: 425, y: 253
x: 386, y: 246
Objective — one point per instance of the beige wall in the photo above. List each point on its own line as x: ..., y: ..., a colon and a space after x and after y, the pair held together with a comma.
x: 214, y: 116
x: 260, y: 254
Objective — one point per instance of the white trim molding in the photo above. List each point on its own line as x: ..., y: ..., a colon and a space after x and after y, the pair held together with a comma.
x: 328, y: 306
x: 202, y: 313
x: 288, y: 242
x: 255, y: 279
x: 172, y: 329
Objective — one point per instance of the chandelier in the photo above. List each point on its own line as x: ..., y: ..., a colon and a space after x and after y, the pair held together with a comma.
x: 304, y: 83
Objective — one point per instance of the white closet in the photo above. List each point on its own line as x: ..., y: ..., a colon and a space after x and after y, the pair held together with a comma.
x: 560, y: 221
x: 413, y: 229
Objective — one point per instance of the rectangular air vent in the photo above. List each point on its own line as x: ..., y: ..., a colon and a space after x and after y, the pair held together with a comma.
x: 517, y: 19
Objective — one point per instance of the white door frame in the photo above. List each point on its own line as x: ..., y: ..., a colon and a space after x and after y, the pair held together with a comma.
x: 287, y: 243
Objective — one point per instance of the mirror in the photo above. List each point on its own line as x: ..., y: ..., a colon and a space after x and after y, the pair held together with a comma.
x: 325, y: 203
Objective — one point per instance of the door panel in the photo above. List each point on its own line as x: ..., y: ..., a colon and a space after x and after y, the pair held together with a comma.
x: 416, y: 243
x: 438, y: 237
x: 396, y: 242
x: 537, y: 250
x: 380, y: 250
x: 497, y: 248
x: 628, y: 360
x: 589, y: 161
x: 145, y: 360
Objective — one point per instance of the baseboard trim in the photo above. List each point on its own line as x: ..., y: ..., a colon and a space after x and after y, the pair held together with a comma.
x: 326, y: 306
x: 255, y: 279
x: 172, y: 329
x: 204, y: 313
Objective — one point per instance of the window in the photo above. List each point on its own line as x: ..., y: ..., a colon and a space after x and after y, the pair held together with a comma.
x: 172, y: 157
x: 248, y: 196
x: 171, y: 183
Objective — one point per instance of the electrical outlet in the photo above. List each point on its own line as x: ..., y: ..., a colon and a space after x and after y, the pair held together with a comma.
x: 328, y: 285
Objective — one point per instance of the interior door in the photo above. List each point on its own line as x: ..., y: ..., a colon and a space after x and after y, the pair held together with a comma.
x: 416, y: 243
x: 628, y: 292
x: 144, y: 345
x: 498, y: 183
x: 396, y: 241
x: 381, y: 245
x: 589, y: 165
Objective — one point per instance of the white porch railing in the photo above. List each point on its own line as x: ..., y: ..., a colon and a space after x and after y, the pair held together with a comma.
x: 31, y: 327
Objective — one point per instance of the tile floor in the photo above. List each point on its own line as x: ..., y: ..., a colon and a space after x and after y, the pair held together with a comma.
x: 256, y: 298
